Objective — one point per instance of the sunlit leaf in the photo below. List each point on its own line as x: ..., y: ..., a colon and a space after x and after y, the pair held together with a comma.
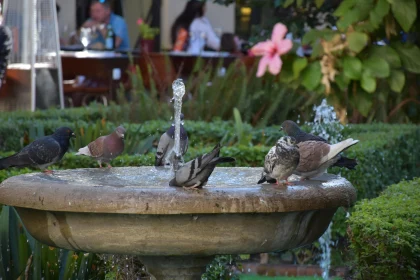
x: 368, y: 82
x: 344, y: 7
x: 357, y: 41
x: 311, y: 76
x: 352, y: 67
x: 377, y: 66
x: 298, y: 65
x: 396, y: 80
x: 405, y: 11
x: 319, y: 3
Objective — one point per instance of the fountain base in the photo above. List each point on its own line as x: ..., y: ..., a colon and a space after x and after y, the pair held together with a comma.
x: 176, y: 267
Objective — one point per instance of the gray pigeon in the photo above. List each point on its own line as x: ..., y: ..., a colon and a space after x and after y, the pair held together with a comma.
x: 195, y: 173
x: 105, y: 148
x: 164, y: 155
x: 42, y: 152
x: 292, y: 129
x: 316, y: 156
x: 281, y: 161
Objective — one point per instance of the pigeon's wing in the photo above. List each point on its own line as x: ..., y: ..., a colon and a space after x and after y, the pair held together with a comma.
x: 194, y: 167
x: 270, y: 160
x: 311, y: 137
x: 43, y: 151
x: 165, y: 142
x: 96, y: 148
x: 312, y: 155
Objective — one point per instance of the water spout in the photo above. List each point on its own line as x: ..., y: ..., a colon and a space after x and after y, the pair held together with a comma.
x: 179, y: 90
x: 325, y: 242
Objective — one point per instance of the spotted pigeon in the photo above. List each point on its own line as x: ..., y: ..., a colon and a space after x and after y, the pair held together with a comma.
x: 281, y: 160
x: 164, y: 153
x: 105, y: 148
x: 317, y: 156
x: 292, y: 129
x: 42, y: 152
x: 195, y: 173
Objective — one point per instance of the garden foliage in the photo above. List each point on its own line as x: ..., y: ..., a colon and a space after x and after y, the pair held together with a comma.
x: 385, y: 233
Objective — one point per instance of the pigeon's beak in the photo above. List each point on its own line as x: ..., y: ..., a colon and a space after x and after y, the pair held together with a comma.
x: 73, y: 135
x: 281, y: 128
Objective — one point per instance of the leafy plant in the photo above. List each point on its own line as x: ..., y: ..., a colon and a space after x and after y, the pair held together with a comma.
x: 385, y: 233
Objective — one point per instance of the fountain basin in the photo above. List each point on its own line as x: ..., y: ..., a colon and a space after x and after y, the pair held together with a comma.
x: 133, y: 210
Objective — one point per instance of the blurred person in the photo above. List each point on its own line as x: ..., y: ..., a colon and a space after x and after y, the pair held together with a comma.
x: 100, y: 16
x: 193, y: 21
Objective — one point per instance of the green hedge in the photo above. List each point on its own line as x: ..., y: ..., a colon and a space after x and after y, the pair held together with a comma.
x: 385, y: 233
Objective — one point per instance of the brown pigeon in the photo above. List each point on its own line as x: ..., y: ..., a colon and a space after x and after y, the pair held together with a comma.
x: 316, y: 156
x: 105, y: 148
x: 292, y: 129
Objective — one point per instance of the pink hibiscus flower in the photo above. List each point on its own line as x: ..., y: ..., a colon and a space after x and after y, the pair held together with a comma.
x: 140, y: 21
x: 271, y: 50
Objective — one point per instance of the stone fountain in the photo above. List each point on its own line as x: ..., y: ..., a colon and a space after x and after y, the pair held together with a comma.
x: 176, y: 232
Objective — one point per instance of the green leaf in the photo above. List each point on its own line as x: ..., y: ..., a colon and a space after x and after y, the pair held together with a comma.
x: 287, y: 3
x: 387, y: 53
x: 344, y: 7
x: 396, y: 80
x: 311, y: 76
x: 377, y: 14
x: 357, y: 41
x: 377, y: 66
x: 349, y: 18
x: 342, y: 81
x: 352, y: 67
x: 298, y: 65
x: 319, y: 3
x: 368, y: 82
x: 405, y: 11
x: 363, y: 102
x: 299, y: 3
x: 409, y: 55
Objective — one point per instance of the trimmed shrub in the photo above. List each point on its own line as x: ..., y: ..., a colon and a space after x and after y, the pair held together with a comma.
x: 385, y: 233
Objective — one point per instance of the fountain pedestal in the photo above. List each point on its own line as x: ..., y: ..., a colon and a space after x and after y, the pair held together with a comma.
x: 175, y: 231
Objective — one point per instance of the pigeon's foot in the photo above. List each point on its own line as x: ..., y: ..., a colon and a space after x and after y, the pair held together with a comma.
x: 109, y: 165
x: 100, y: 164
x: 196, y: 186
x: 48, y: 172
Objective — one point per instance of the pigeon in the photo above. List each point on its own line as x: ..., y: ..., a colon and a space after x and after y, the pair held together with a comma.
x: 281, y: 161
x: 42, y: 152
x: 292, y: 129
x: 317, y: 156
x: 164, y: 154
x: 6, y: 42
x: 105, y: 148
x: 195, y: 173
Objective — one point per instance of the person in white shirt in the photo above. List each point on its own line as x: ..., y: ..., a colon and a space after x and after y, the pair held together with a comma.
x: 190, y: 24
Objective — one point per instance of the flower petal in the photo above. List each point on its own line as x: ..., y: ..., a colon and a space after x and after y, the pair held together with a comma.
x: 262, y: 48
x: 275, y: 64
x: 279, y: 32
x: 262, y: 65
x: 284, y: 46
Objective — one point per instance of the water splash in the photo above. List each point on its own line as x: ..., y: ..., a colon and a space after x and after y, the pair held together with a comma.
x: 179, y: 90
x: 326, y: 123
x: 328, y: 127
x: 325, y: 243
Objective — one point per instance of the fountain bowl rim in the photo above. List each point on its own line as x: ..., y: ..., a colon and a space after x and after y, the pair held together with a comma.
x: 38, y: 191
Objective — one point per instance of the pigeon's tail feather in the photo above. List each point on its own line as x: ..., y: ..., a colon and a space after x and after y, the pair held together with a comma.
x: 222, y: 160
x: 341, y: 146
x: 348, y: 163
x: 14, y: 161
x: 84, y: 151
